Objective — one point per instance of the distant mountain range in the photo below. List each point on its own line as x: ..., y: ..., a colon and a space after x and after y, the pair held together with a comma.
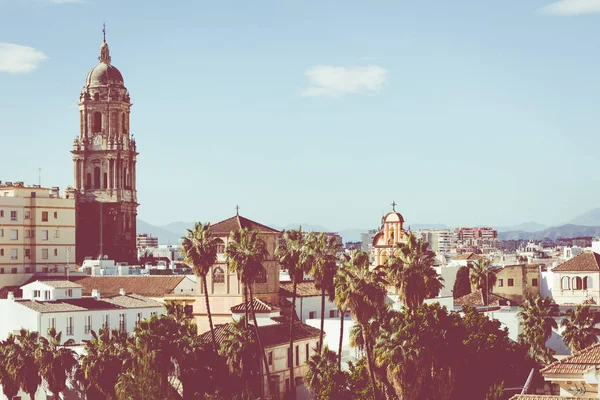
x: 587, y: 224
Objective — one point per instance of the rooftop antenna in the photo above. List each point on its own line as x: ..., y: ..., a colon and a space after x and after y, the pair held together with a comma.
x: 237, y: 210
x: 40, y: 176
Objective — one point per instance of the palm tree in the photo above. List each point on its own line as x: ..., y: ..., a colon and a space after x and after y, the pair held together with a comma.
x: 324, y: 379
x: 25, y: 369
x: 200, y: 250
x: 481, y: 277
x: 410, y: 270
x: 537, y: 320
x: 8, y: 354
x: 294, y: 258
x: 580, y: 327
x: 324, y: 251
x: 239, y: 349
x: 361, y: 291
x: 55, y: 361
x: 245, y: 254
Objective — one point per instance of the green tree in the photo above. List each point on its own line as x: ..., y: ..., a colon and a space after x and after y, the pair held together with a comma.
x: 481, y: 277
x: 55, y: 361
x: 410, y: 270
x: 324, y: 378
x: 245, y: 254
x: 241, y: 352
x: 295, y: 259
x: 462, y: 285
x: 324, y: 257
x: 199, y: 248
x: 8, y: 355
x: 580, y: 327
x: 361, y: 291
x: 24, y: 368
x: 538, y: 320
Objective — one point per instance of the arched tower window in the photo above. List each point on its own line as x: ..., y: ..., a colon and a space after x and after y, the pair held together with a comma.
x: 96, y: 177
x: 123, y: 127
x: 220, y: 246
x: 113, y: 123
x: 218, y: 275
x: 97, y: 121
x: 125, y: 178
x: 383, y: 257
x: 564, y: 283
x: 392, y: 235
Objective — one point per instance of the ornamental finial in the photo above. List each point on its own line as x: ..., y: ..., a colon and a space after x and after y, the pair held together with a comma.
x: 104, y: 52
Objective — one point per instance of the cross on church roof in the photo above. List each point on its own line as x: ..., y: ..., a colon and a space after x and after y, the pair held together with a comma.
x: 394, y: 206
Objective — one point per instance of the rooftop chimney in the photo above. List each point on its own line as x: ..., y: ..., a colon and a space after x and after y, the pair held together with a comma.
x: 96, y: 294
x: 11, y: 296
x: 122, y: 292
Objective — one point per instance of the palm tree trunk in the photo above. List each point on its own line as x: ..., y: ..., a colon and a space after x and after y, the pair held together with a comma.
x: 322, y: 319
x: 370, y: 364
x: 341, y: 339
x: 262, y: 349
x: 246, y: 306
x: 212, y: 329
x: 291, y: 354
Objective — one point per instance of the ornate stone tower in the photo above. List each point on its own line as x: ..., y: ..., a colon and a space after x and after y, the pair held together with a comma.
x: 104, y: 158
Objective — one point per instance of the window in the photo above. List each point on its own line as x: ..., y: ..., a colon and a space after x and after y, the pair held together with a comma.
x: 44, y: 254
x: 14, y: 234
x: 14, y: 254
x: 27, y: 270
x: 27, y: 253
x: 106, y: 321
x: 270, y: 358
x: 96, y: 177
x: 307, y: 352
x: 220, y: 246
x: 1, y: 252
x: 44, y: 235
x: 577, y: 283
x: 56, y: 233
x: 27, y: 215
x: 1, y: 232
x: 138, y: 319
x: 33, y: 195
x: 534, y: 282
x: 13, y: 215
x: 46, y: 295
x: 97, y: 120
x: 55, y: 214
x: 261, y: 275
x: 218, y: 275
x: 122, y: 325
x: 69, y: 326
x: 312, y: 315
x: 88, y: 324
x: 287, y: 385
x: 383, y: 257
x: 500, y: 282
x: 2, y: 270
x: 289, y: 357
x: 565, y: 283
x: 27, y: 234
x: 69, y: 292
x: 13, y: 270
x: 44, y: 216
x: 1, y: 213
x: 297, y: 355
x: 511, y: 282
x: 55, y: 252
x: 333, y: 314
x: 36, y: 293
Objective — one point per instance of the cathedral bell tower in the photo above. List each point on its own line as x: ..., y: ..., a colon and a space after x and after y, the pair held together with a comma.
x: 104, y: 161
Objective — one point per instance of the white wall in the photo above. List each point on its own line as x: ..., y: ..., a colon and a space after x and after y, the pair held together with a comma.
x: 332, y: 336
x: 186, y: 286
x: 449, y: 275
x: 14, y: 316
x: 304, y: 306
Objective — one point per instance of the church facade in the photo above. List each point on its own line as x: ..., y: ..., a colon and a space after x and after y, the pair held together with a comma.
x: 388, y: 236
x: 104, y: 166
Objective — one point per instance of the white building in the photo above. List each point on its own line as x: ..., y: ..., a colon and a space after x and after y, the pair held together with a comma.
x: 60, y: 304
x: 441, y: 241
x: 577, y: 281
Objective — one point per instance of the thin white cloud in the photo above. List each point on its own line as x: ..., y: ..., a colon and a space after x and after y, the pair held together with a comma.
x: 16, y: 59
x: 572, y: 7
x: 327, y: 80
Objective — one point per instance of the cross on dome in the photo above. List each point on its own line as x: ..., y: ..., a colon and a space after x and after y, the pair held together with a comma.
x: 394, y: 206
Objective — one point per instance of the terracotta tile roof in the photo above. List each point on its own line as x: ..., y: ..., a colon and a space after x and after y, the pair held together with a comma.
x: 303, y: 289
x: 89, y: 303
x: 577, y: 363
x: 272, y: 335
x: 258, y: 304
x: 582, y: 262
x: 236, y: 222
x: 468, y: 257
x: 544, y: 397
x: 15, y: 289
x: 475, y: 299
x: 150, y: 286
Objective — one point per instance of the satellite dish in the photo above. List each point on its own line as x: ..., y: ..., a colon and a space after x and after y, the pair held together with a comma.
x: 507, y: 302
x: 105, y: 257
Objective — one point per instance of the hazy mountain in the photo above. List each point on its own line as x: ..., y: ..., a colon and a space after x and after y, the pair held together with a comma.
x: 525, y: 226
x: 179, y: 227
x: 165, y: 236
x: 590, y: 218
x: 564, y: 231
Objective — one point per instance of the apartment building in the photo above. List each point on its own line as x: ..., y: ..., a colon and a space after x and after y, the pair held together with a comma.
x: 37, y: 229
x: 145, y: 240
x: 440, y: 241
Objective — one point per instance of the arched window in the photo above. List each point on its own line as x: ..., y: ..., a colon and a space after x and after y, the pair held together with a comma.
x: 105, y: 183
x: 96, y: 177
x: 125, y: 178
x: 220, y: 246
x: 88, y: 182
x: 113, y: 123
x: 97, y: 122
x: 577, y: 283
x: 383, y: 257
x: 261, y: 275
x: 97, y: 96
x: 392, y: 234
x: 564, y: 283
x: 585, y: 282
x: 123, y: 127
x: 218, y: 275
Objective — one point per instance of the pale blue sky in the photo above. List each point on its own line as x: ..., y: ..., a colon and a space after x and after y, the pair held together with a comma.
x: 322, y: 112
